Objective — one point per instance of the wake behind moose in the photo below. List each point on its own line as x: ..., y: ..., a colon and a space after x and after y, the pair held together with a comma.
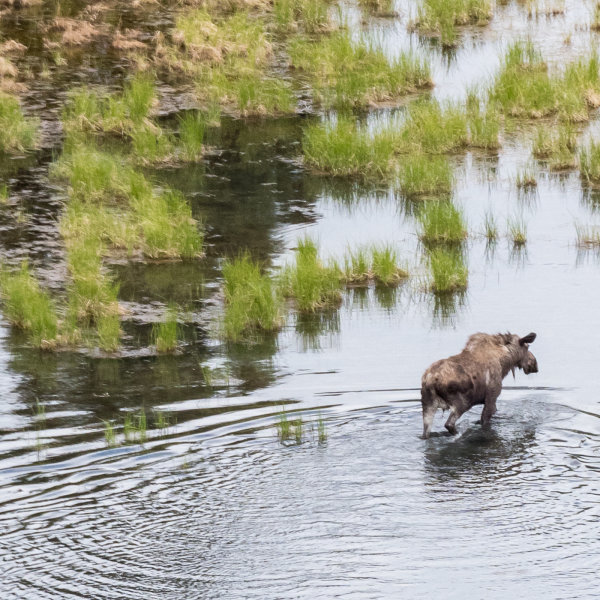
x: 474, y: 377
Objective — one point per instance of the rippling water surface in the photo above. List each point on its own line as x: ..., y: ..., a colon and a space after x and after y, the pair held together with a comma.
x: 212, y: 504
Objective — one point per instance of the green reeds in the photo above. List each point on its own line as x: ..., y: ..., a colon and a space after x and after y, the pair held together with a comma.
x: 343, y: 147
x: 312, y: 284
x: 17, y: 132
x: 556, y: 146
x: 110, y: 436
x: 321, y: 430
x: 424, y: 175
x: 588, y: 236
x: 490, y: 227
x: 289, y: 429
x: 524, y: 86
x: 28, y: 307
x: 441, y: 17
x: 165, y: 333
x: 109, y: 332
x: 526, y: 178
x: 151, y: 144
x: 441, y: 223
x: 484, y: 129
x: 385, y: 266
x: 192, y: 126
x: 367, y: 264
x: 4, y: 193
x: 368, y: 76
x: 433, y: 128
x: 252, y: 301
x: 135, y: 427
x: 589, y: 163
x: 448, y: 270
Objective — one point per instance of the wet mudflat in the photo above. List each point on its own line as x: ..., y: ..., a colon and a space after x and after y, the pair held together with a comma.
x: 206, y: 500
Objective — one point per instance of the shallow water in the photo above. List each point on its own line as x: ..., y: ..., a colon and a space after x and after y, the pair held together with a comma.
x: 213, y: 505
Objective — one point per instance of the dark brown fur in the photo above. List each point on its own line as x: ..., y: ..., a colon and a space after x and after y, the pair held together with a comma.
x: 474, y: 377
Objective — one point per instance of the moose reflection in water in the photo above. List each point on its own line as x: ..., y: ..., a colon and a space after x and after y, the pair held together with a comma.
x: 474, y: 377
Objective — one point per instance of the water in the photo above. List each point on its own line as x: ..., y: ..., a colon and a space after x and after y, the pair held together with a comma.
x: 213, y: 505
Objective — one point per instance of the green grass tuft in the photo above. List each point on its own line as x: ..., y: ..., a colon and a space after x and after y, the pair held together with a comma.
x: 252, y: 301
x: 517, y: 231
x: 448, y: 271
x: 367, y: 77
x: 424, y: 175
x: 312, y: 284
x: 166, y: 333
x: 192, y: 127
x: 441, y: 223
x: 589, y: 163
x: 29, y: 307
x: 17, y: 132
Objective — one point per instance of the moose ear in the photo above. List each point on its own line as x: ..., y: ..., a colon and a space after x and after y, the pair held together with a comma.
x: 528, y: 339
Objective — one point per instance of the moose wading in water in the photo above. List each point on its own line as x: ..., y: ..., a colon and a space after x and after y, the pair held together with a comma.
x: 474, y: 377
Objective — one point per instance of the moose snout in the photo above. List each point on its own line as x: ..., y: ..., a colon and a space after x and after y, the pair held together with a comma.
x: 532, y: 367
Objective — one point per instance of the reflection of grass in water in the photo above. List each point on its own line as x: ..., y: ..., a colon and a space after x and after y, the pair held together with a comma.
x: 446, y: 306
x: 386, y: 296
x: 379, y: 8
x: 311, y: 326
x: 163, y: 422
x: 27, y: 306
x: 368, y: 75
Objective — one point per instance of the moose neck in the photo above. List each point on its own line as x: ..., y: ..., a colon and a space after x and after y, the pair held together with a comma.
x: 508, y: 361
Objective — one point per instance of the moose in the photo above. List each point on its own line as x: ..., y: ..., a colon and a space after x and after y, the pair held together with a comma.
x: 474, y: 377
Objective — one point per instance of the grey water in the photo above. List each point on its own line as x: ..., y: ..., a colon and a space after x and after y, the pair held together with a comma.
x: 213, y: 505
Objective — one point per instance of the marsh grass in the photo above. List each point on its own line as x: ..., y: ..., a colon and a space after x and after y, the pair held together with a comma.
x: 163, y: 421
x: 379, y: 8
x: 357, y: 266
x: 385, y: 266
x: 312, y: 284
x: 433, y: 128
x: 4, y: 194
x: 448, y: 271
x: 28, y: 307
x: 368, y: 76
x: 312, y: 16
x: 344, y: 147
x: 517, y: 231
x: 526, y: 178
x: 321, y: 430
x: 109, y: 332
x: 441, y: 223
x: 490, y: 227
x: 151, y: 145
x: 192, y: 127
x: 524, y: 87
x: 441, y: 17
x: 557, y: 146
x: 166, y: 333
x: 17, y: 132
x: 588, y: 236
x: 425, y: 175
x: 252, y: 301
x: 589, y: 163
x: 283, y: 425
x: 110, y: 437
x: 484, y: 129
x: 135, y: 427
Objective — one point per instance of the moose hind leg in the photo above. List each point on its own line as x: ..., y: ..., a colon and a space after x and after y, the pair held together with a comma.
x: 428, y: 414
x: 456, y: 411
